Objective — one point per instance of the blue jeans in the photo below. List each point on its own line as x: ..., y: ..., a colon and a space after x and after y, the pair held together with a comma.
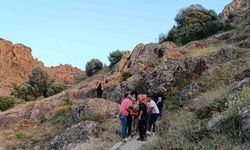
x: 124, y: 124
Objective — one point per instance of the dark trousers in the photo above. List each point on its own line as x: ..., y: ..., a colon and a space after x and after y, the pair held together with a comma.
x: 160, y: 109
x: 152, y: 121
x: 99, y: 93
x: 142, y: 126
x: 129, y: 122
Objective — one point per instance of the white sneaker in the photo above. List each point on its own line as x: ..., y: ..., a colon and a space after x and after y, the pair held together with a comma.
x: 149, y: 133
x: 125, y: 140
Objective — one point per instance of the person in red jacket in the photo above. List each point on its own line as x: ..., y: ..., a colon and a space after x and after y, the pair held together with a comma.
x: 123, y: 114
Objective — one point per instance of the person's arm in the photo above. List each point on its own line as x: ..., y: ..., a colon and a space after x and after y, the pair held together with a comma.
x: 150, y: 109
x: 97, y: 84
x: 140, y: 114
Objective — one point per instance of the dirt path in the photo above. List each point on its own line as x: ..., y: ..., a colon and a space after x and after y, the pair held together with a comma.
x: 132, y: 144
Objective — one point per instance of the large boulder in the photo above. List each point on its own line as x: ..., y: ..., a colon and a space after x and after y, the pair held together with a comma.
x: 228, y: 52
x: 160, y: 80
x: 75, y: 134
x: 146, y: 56
x: 170, y: 74
x: 187, y: 93
x: 104, y: 108
x: 245, y: 82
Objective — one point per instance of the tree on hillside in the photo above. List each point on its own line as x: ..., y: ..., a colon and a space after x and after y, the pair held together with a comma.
x: 194, y: 23
x: 115, y: 57
x: 93, y: 66
x: 39, y: 80
x: 38, y: 85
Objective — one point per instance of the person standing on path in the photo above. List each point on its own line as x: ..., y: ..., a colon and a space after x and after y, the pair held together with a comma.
x: 143, y: 116
x: 154, y: 111
x: 99, y: 89
x: 123, y: 114
x: 160, y: 105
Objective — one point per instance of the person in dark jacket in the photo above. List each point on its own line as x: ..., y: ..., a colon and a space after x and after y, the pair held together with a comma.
x: 99, y: 89
x: 160, y: 105
x: 143, y: 117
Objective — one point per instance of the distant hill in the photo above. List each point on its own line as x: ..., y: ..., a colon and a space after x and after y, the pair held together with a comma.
x: 16, y: 63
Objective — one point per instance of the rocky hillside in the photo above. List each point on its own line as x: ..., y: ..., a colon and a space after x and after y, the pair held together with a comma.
x: 17, y: 62
x: 66, y: 74
x: 234, y: 6
x: 205, y: 85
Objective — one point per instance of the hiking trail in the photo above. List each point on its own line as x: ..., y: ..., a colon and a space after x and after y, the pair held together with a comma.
x: 132, y: 144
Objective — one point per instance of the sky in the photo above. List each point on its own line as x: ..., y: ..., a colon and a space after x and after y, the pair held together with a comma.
x: 75, y: 31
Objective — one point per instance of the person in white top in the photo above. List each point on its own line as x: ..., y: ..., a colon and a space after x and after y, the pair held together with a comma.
x: 154, y: 112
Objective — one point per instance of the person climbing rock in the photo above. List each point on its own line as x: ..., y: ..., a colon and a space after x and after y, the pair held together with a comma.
x: 123, y: 115
x: 99, y: 89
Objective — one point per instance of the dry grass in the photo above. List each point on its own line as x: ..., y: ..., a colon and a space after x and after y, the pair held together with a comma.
x: 208, y: 50
x: 209, y: 96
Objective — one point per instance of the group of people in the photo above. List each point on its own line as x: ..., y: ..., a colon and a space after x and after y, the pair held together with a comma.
x: 139, y: 114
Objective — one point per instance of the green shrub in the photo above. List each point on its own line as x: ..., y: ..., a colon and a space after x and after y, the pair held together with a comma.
x: 54, y: 89
x: 25, y: 92
x: 21, y: 135
x: 93, y: 66
x: 59, y: 116
x: 115, y: 57
x: 41, y: 119
x: 126, y: 75
x: 81, y: 78
x: 38, y: 85
x: 172, y: 102
x: 194, y: 23
x: 93, y: 117
x: 7, y: 102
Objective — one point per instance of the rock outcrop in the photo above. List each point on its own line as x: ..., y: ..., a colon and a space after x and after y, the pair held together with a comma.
x: 146, y: 56
x: 104, y: 108
x: 66, y: 74
x: 187, y: 93
x: 75, y: 134
x: 233, y: 7
x: 193, y: 45
x: 16, y: 63
x: 160, y: 80
x: 244, y: 122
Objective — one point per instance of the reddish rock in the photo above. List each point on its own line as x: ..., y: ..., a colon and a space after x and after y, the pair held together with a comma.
x: 65, y: 73
x: 16, y: 63
x: 193, y: 45
x: 232, y: 8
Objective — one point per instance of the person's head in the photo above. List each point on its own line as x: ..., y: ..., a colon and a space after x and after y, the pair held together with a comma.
x: 160, y: 98
x: 128, y: 95
x: 149, y: 98
x: 141, y: 97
